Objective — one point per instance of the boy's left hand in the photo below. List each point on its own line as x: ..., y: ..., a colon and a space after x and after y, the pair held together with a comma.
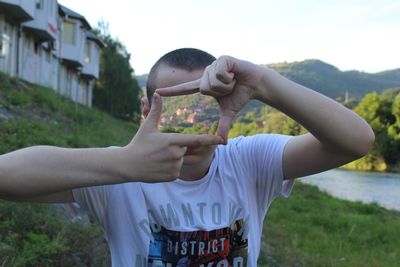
x: 230, y: 81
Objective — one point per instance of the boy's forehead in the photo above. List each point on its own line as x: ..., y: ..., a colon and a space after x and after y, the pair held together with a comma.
x: 170, y: 76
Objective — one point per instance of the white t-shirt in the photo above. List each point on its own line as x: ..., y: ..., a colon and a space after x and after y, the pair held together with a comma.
x: 214, y: 221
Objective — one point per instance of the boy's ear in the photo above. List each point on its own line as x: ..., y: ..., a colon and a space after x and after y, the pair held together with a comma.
x: 145, y: 107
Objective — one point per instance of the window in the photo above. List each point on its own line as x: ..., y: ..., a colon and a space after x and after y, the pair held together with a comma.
x: 36, y: 47
x: 39, y: 4
x: 47, y: 46
x: 2, y: 52
x: 87, y: 52
x: 4, y: 42
x: 69, y: 32
x: 48, y: 56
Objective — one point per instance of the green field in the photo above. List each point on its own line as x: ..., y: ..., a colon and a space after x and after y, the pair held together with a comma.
x: 308, y: 229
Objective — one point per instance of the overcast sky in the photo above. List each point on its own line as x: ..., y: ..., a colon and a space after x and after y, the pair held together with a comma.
x: 362, y: 35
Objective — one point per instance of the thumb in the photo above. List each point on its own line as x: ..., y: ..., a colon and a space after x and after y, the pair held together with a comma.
x: 224, y: 124
x: 153, y: 118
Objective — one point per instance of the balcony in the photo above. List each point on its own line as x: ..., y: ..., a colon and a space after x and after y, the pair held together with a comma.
x: 72, y: 51
x: 72, y: 37
x: 91, y: 70
x: 72, y: 55
x: 93, y: 45
x: 20, y: 10
x: 44, y: 25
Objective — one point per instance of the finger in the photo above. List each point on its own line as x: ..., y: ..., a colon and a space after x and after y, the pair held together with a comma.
x: 153, y: 119
x: 222, y: 72
x: 144, y: 104
x: 224, y: 124
x: 195, y: 140
x: 211, y: 85
x: 180, y: 89
x: 205, y: 86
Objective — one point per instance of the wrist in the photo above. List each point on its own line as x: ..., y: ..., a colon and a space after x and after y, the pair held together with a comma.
x: 125, y: 164
x: 118, y: 164
x: 264, y: 89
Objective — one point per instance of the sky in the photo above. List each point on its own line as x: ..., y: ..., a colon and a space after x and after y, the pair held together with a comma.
x: 359, y: 35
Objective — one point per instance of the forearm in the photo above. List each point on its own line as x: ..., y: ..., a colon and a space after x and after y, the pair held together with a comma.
x: 331, y: 123
x: 41, y: 170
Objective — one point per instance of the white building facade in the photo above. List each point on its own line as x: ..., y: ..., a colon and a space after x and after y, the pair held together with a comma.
x: 48, y: 44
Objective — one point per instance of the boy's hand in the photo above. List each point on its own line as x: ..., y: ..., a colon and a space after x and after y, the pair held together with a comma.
x: 230, y: 81
x: 158, y: 157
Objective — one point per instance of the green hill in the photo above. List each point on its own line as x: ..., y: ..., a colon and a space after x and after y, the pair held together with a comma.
x: 329, y: 80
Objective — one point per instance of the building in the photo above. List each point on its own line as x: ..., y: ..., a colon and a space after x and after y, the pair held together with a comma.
x: 51, y: 45
x: 12, y: 14
x: 79, y: 56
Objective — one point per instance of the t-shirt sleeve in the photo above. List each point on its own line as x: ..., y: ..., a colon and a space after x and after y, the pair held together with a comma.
x: 263, y: 156
x: 94, y: 200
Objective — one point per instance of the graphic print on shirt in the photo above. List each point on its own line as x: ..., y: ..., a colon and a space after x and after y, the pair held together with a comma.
x: 220, y: 247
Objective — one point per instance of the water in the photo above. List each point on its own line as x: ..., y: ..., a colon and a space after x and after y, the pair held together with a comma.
x: 380, y: 188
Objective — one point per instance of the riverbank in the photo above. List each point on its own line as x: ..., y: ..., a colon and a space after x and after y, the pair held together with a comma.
x: 382, y: 188
x: 311, y: 228
x: 372, y: 163
x: 368, y: 163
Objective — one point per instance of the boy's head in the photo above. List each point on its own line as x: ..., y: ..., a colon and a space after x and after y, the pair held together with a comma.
x: 178, y: 66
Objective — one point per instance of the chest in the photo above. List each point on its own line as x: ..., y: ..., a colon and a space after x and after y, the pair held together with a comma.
x: 204, y: 206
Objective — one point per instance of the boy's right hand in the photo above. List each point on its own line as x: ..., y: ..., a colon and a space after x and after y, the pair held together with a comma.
x: 153, y: 156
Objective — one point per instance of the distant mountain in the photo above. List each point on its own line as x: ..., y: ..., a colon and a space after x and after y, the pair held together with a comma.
x: 329, y: 80
x: 313, y: 73
x: 142, y: 79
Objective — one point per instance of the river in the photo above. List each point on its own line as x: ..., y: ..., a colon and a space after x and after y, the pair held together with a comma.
x: 367, y: 187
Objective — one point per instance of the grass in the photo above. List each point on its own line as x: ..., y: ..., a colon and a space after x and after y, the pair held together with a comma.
x: 308, y: 229
x: 33, y: 115
x: 40, y: 116
x: 313, y: 229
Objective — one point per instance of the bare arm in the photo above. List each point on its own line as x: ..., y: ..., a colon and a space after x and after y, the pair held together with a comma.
x: 337, y: 135
x: 48, y: 174
x: 42, y: 170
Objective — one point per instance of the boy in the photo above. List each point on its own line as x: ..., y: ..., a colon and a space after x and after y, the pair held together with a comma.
x: 212, y: 213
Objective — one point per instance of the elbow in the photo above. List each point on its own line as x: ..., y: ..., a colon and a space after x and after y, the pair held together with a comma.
x: 364, y: 142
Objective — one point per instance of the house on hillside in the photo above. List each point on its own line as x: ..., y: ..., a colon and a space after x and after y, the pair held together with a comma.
x: 80, y: 56
x: 91, y: 69
x: 38, y: 62
x: 51, y: 45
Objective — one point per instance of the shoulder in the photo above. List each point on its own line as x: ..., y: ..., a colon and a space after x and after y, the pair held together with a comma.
x: 255, y: 147
x: 252, y: 144
x: 263, y: 138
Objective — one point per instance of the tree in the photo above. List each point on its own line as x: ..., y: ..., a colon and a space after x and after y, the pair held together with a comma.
x: 117, y: 90
x: 381, y: 112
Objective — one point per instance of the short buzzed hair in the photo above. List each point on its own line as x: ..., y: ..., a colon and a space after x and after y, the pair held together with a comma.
x: 189, y: 59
